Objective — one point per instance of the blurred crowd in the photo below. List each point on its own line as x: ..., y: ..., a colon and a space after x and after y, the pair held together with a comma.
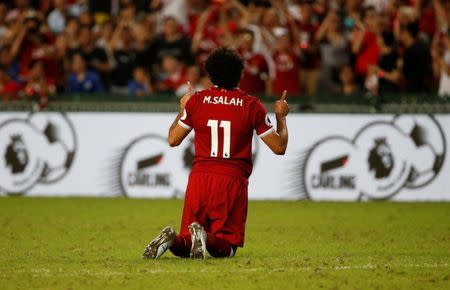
x: 142, y: 47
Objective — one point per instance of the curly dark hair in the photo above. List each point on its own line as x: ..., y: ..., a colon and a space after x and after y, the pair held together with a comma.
x: 224, y: 67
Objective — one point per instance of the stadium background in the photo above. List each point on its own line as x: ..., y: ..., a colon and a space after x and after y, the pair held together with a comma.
x: 373, y: 50
x: 376, y: 59
x: 93, y: 85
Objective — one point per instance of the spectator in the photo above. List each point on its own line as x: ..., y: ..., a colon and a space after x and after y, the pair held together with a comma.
x: 82, y: 80
x: 12, y: 67
x: 427, y: 20
x: 441, y: 9
x: 443, y: 64
x: 61, y: 48
x: 105, y: 34
x: 287, y: 70
x: 351, y: 16
x: 256, y: 71
x: 176, y: 9
x: 310, y: 58
x: 386, y: 72
x: 235, y: 15
x: 417, y: 70
x: 194, y: 10
x: 144, y: 32
x: 320, y: 8
x: 76, y: 8
x: 56, y: 19
x: 3, y: 26
x: 140, y: 85
x: 333, y: 51
x: 21, y: 6
x: 27, y: 37
x: 254, y: 13
x: 173, y: 74
x: 364, y: 43
x: 96, y: 57
x: 8, y: 87
x: 127, y: 12
x: 205, y: 37
x: 319, y: 32
x: 193, y: 75
x: 85, y: 19
x: 31, y: 45
x: 347, y: 78
x: 103, y: 42
x: 270, y: 26
x: 378, y: 5
x: 125, y: 58
x: 71, y: 33
x: 172, y: 41
x: 37, y: 86
x: 405, y: 14
x: 256, y: 10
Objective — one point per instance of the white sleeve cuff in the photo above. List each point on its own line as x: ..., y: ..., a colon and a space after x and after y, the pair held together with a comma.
x: 184, y: 125
x: 267, y: 132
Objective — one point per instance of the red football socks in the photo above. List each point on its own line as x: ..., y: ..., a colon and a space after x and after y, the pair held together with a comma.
x: 181, y: 247
x: 217, y: 247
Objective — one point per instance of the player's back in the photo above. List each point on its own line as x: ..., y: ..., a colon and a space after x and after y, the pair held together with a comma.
x: 224, y: 121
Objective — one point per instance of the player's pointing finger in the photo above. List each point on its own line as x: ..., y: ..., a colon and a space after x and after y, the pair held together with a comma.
x: 283, y: 96
x: 189, y: 88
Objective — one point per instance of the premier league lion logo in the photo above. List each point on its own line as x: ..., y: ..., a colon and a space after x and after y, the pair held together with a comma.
x: 36, y: 148
x: 380, y: 159
x: 16, y: 155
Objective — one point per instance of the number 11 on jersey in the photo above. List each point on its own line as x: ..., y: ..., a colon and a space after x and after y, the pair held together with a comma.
x: 214, y: 125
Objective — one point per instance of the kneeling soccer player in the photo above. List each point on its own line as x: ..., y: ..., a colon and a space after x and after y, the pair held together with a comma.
x: 223, y: 118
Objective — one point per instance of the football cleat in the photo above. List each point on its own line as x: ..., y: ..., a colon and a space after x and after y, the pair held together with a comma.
x: 198, y: 238
x: 160, y: 244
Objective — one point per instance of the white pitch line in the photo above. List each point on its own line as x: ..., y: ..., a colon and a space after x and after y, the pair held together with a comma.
x: 44, y: 272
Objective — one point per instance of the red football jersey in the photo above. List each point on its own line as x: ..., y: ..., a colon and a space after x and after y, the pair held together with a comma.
x: 224, y: 121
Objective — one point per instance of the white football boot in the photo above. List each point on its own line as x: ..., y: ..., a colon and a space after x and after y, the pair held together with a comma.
x: 160, y: 244
x: 198, y: 238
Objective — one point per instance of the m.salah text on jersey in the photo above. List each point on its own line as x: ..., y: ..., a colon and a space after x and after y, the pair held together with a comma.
x: 223, y: 101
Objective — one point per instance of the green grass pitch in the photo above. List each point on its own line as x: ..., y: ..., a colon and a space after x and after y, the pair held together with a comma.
x: 77, y: 243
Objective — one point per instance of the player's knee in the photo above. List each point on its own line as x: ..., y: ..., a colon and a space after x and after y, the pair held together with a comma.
x: 228, y: 253
x: 218, y: 254
x: 181, y: 247
x: 182, y: 253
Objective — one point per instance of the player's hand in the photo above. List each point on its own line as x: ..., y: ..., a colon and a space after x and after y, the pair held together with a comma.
x: 186, y: 97
x: 281, y: 107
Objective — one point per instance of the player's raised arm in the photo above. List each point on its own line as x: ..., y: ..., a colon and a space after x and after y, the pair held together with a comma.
x: 179, y: 129
x: 278, y: 140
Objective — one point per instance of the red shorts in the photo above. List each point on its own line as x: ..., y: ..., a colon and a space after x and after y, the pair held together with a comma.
x: 219, y: 203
